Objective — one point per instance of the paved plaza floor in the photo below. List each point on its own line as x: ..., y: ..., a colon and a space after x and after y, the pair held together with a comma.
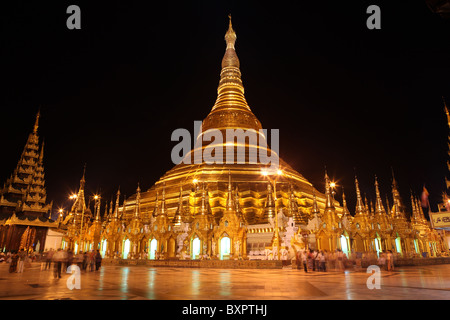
x: 141, y: 282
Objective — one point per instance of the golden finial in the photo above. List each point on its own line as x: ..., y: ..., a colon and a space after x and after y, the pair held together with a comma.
x: 36, y: 123
x: 230, y: 36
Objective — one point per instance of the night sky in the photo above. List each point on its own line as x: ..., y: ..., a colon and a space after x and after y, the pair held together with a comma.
x: 343, y: 96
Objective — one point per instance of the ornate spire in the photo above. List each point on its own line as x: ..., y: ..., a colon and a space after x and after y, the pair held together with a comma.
x: 116, y: 209
x: 36, y: 123
x: 231, y: 109
x: 293, y: 206
x: 230, y: 201
x: 230, y: 37
x: 97, y: 210
x: 83, y: 179
x: 329, y: 205
x: 379, y: 209
x: 415, y: 210
x: 205, y: 208
x: 137, y: 212
x: 397, y: 209
x: 360, y: 208
x: 80, y: 202
x: 421, y: 213
x: 269, y: 210
x: 344, y: 205
x: 366, y: 204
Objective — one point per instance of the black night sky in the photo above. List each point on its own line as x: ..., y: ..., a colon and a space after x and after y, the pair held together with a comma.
x: 111, y: 94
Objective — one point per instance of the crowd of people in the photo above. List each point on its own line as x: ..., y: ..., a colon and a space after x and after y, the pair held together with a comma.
x: 18, y: 260
x: 323, y: 260
x: 57, y: 260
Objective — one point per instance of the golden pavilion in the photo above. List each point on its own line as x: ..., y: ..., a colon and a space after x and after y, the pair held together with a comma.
x: 203, y: 210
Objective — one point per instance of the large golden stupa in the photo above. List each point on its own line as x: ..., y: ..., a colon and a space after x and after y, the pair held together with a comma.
x: 230, y: 111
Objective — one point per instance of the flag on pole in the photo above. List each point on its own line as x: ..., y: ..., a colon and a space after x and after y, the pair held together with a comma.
x: 424, y: 197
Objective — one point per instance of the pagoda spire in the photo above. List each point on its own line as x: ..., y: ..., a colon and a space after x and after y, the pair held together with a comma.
x: 414, y: 208
x: 36, y: 122
x: 137, y: 210
x: 205, y: 208
x: 230, y: 201
x: 420, y: 212
x: 97, y: 209
x: 178, y: 218
x: 366, y: 204
x: 80, y: 202
x: 397, y: 210
x: 116, y: 209
x: 269, y: 209
x: 329, y: 205
x: 361, y: 218
x: 293, y: 206
x: 379, y: 208
x: 231, y: 109
x: 346, y: 212
x: 360, y: 208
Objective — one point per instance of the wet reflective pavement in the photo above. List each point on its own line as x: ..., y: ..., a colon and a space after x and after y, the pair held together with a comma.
x: 141, y: 282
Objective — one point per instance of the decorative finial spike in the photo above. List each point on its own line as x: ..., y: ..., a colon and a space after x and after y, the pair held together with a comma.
x: 36, y: 123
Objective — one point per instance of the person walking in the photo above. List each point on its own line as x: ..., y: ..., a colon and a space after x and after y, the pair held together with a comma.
x: 91, y: 260
x: 298, y: 259
x: 79, y: 259
x: 316, y: 261
x: 98, y: 260
x: 13, y: 264
x: 22, y: 257
x: 85, y: 261
x: 305, y: 260
x: 339, y: 260
x: 322, y: 261
x: 390, y: 261
x: 310, y: 260
x: 58, y: 259
x: 382, y: 261
x: 69, y: 258
x: 48, y: 258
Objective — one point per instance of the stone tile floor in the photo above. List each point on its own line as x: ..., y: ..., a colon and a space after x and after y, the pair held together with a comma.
x: 141, y: 282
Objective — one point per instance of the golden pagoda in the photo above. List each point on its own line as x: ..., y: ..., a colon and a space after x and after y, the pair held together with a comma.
x: 244, y: 208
